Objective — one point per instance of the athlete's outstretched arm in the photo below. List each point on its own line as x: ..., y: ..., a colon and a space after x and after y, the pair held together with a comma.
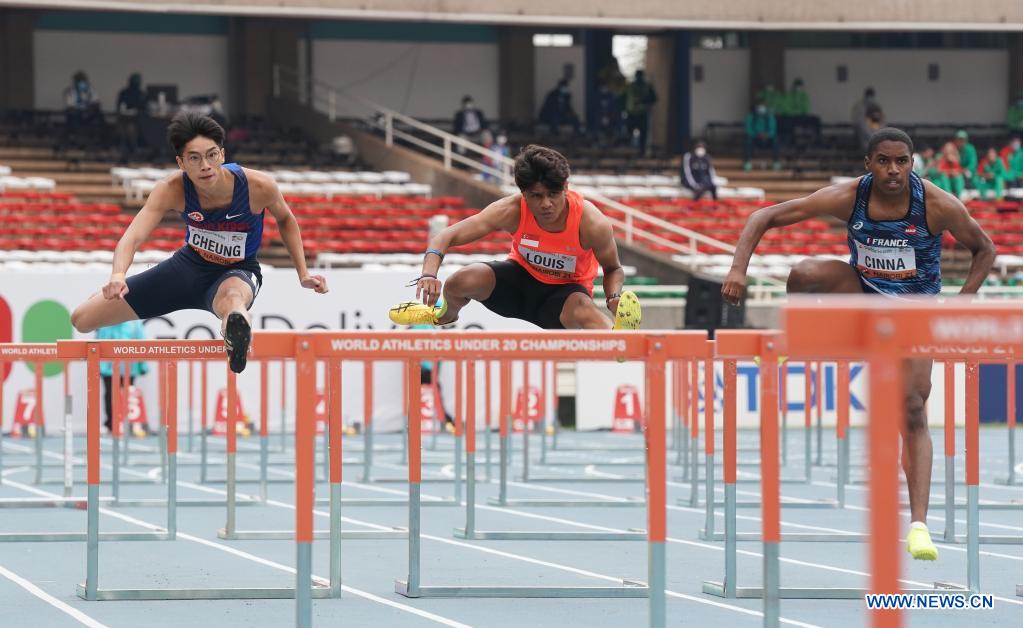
x: 265, y: 187
x: 501, y: 215
x: 598, y: 235
x: 149, y: 217
x: 950, y: 213
x: 836, y: 200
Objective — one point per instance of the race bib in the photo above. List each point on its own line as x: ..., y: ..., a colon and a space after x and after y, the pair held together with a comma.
x: 552, y: 264
x: 885, y: 262
x: 218, y: 247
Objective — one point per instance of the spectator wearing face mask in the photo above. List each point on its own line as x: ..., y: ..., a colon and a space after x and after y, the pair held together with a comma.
x: 698, y: 172
x: 1012, y: 157
x: 498, y: 148
x: 469, y: 122
x: 991, y: 175
x: 81, y: 108
x: 761, y: 132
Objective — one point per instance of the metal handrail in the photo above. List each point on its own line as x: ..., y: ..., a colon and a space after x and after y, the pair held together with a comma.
x: 384, y: 119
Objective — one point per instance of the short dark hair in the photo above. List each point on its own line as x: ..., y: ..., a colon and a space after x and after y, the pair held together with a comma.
x: 888, y: 134
x: 539, y: 164
x: 185, y: 127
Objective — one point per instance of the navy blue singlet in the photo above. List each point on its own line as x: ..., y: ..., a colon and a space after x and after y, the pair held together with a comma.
x: 895, y: 257
x: 223, y: 236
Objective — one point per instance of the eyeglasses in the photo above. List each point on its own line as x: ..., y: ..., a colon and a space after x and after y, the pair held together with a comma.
x: 196, y: 160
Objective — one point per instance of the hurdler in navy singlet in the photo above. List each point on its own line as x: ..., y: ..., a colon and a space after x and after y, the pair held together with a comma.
x: 222, y: 236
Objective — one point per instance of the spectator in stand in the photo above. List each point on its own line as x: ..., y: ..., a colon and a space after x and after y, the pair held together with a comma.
x: 761, y: 132
x: 991, y: 175
x: 498, y: 148
x: 867, y: 116
x: 609, y: 110
x: 950, y: 170
x: 1012, y: 157
x: 794, y: 117
x: 131, y: 106
x: 775, y: 100
x: 557, y: 109
x: 1014, y: 119
x: 639, y: 98
x: 921, y: 161
x: 81, y: 108
x: 469, y: 122
x: 925, y: 165
x: 698, y: 172
x: 967, y: 154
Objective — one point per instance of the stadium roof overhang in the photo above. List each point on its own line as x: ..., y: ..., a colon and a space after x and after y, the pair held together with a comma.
x: 844, y: 15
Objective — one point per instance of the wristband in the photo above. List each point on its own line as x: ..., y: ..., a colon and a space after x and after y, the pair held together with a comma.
x: 435, y: 252
x: 416, y: 280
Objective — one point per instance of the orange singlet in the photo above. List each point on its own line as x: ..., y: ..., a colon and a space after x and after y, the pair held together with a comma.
x: 554, y: 258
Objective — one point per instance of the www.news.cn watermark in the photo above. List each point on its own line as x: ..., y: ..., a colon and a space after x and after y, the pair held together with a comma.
x: 929, y: 601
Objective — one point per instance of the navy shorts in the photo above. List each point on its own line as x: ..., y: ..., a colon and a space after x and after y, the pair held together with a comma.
x: 517, y: 294
x: 185, y: 281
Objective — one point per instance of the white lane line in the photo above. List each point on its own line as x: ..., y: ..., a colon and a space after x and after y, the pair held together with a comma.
x: 263, y: 561
x: 73, y: 612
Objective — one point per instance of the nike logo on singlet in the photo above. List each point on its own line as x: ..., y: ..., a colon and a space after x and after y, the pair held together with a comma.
x: 229, y: 216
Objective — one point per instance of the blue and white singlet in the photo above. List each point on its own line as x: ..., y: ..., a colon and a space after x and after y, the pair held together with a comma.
x: 895, y: 257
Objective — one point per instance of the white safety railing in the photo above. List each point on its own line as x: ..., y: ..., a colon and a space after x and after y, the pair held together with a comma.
x: 635, y: 224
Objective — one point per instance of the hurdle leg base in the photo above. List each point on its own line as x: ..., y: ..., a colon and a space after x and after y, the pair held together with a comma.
x: 37, y: 537
x: 263, y: 593
x: 513, y: 535
x: 628, y: 589
x: 631, y: 502
x: 289, y: 535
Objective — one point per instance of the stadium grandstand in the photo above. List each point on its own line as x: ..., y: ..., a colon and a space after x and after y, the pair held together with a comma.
x: 384, y: 126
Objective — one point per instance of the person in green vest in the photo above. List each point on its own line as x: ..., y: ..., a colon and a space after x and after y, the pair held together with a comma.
x: 797, y: 101
x: 1014, y: 118
x: 129, y: 330
x: 967, y: 155
x: 776, y: 100
x: 991, y: 175
x: 794, y: 118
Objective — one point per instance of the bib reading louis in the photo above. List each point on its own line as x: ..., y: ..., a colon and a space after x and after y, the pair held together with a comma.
x: 558, y: 239
x: 894, y: 222
x: 222, y: 206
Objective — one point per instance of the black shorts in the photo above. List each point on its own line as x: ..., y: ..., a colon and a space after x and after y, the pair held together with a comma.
x: 517, y: 294
x: 185, y: 281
